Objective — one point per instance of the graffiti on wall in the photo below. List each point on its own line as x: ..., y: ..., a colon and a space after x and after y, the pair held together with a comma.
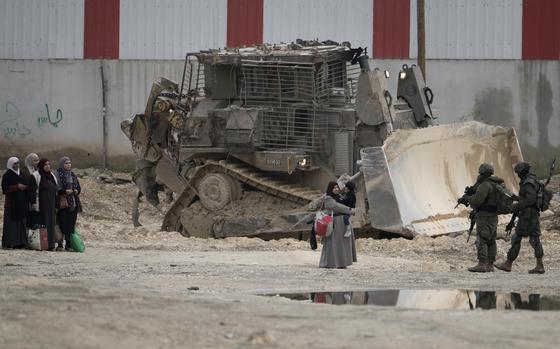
x: 54, y: 121
x: 14, y: 125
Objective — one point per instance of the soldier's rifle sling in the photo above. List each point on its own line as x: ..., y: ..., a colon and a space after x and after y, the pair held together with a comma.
x: 473, y: 222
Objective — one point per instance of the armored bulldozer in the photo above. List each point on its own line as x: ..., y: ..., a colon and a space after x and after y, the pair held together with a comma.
x: 250, y: 136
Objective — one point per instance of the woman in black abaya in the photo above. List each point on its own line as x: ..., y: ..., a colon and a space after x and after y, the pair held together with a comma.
x: 48, y: 194
x: 14, y: 187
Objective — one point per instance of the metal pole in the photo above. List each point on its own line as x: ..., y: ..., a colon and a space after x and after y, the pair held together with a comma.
x: 421, y: 37
x: 104, y: 114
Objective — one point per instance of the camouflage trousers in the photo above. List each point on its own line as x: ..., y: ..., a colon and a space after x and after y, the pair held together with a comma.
x: 486, y: 232
x: 526, y: 227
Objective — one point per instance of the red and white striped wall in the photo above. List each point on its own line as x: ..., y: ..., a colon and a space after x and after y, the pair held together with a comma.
x: 167, y: 29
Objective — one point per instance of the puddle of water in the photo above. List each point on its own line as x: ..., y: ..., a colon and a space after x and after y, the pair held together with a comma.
x: 433, y: 299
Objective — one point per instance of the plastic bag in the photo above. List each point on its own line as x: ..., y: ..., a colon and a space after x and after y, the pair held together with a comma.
x: 323, y: 223
x: 38, y: 239
x: 76, y: 242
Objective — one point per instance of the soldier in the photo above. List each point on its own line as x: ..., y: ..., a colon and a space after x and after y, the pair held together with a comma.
x: 528, y: 224
x: 483, y: 202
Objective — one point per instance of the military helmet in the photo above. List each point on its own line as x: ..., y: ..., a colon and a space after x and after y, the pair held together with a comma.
x: 522, y: 167
x: 486, y: 169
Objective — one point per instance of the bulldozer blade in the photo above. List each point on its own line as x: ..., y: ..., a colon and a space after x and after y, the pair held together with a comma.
x: 413, y: 181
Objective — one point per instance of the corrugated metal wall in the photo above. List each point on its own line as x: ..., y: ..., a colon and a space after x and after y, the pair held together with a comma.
x: 541, y: 29
x: 37, y: 29
x: 101, y: 29
x: 468, y: 29
x: 391, y: 28
x: 244, y: 22
x: 167, y: 29
x: 288, y: 20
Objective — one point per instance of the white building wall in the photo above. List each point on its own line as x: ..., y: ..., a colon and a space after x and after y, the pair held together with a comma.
x: 168, y: 29
x: 288, y: 20
x: 469, y: 29
x: 37, y: 29
x: 48, y: 104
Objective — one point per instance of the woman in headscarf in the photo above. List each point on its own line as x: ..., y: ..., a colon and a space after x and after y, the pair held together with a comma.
x: 14, y: 187
x: 338, y: 251
x: 31, y: 163
x: 48, y: 194
x: 69, y: 190
x: 28, y: 172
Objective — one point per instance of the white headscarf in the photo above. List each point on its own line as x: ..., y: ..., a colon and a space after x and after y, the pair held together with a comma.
x: 29, y: 162
x: 11, y: 162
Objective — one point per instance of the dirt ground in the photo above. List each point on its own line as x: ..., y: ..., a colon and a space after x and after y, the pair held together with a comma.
x: 143, y: 288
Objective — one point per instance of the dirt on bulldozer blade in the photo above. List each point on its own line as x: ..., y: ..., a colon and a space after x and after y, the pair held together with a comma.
x: 144, y: 288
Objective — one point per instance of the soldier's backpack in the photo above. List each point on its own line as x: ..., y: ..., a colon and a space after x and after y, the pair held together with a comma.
x: 544, y: 196
x: 504, y: 201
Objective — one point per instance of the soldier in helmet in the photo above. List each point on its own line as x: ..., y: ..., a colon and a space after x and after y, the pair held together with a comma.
x: 483, y: 202
x: 528, y: 223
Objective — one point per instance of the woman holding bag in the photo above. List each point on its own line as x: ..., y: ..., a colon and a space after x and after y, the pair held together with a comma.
x: 69, y: 190
x: 338, y: 251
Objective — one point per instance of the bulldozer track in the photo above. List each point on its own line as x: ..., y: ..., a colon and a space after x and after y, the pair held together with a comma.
x: 244, y: 174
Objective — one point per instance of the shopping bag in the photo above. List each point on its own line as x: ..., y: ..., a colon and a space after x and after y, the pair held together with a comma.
x: 76, y: 242
x: 38, y: 239
x: 323, y: 223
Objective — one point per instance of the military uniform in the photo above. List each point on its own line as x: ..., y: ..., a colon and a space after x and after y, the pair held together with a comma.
x: 528, y: 222
x: 484, y: 203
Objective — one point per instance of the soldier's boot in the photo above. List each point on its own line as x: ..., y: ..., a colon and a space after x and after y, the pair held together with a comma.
x: 505, y: 266
x: 481, y: 267
x: 490, y: 266
x: 539, y: 269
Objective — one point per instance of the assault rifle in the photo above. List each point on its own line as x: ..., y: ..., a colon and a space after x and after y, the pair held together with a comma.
x: 464, y: 200
x: 469, y: 191
x: 511, y: 224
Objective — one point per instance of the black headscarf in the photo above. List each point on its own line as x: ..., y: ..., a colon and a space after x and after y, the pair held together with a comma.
x: 330, y: 188
x: 17, y: 199
x: 45, y: 176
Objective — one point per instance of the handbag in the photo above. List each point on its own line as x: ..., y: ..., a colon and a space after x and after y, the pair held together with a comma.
x: 323, y: 223
x: 63, y: 202
x: 38, y: 239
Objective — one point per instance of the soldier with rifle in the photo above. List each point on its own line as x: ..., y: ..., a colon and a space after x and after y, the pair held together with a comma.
x: 528, y: 224
x: 482, y: 198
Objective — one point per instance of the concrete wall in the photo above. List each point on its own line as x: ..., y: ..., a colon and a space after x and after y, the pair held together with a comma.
x: 55, y: 106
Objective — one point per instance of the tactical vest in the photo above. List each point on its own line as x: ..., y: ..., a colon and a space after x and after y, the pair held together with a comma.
x: 532, y: 210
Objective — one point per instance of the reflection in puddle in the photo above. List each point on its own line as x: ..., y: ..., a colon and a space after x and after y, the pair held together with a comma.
x: 434, y: 299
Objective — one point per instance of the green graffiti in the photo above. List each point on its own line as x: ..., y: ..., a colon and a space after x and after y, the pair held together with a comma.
x: 12, y: 111
x: 42, y: 120
x: 18, y: 130
x: 13, y: 128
